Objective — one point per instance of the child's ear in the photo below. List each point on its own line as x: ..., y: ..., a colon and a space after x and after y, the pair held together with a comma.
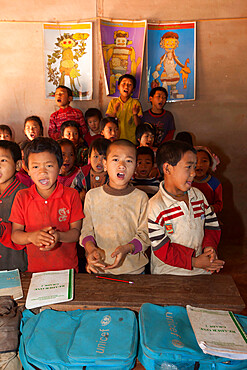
x: 18, y: 165
x: 104, y: 164
x: 70, y: 98
x: 166, y: 168
x: 150, y: 99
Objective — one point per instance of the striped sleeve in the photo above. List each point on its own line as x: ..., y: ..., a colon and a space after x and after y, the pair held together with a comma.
x: 212, y: 230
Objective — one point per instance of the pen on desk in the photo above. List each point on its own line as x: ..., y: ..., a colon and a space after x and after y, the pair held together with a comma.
x: 122, y: 281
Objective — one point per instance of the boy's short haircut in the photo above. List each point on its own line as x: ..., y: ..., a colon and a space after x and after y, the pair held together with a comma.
x: 13, y: 148
x: 146, y: 151
x: 36, y: 119
x: 142, y: 128
x: 44, y: 144
x: 100, y: 144
x: 69, y: 91
x: 105, y: 120
x: 91, y: 112
x: 67, y: 124
x: 67, y: 142
x: 23, y: 144
x: 184, y: 136
x: 171, y: 152
x: 120, y: 142
x: 158, y: 88
x: 6, y: 128
x: 130, y: 77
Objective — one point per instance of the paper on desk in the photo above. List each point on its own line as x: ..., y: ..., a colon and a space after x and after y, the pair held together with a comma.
x: 218, y: 333
x: 10, y: 284
x: 50, y: 287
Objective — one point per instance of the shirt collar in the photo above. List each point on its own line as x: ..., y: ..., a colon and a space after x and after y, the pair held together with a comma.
x: 57, y: 193
x: 170, y: 201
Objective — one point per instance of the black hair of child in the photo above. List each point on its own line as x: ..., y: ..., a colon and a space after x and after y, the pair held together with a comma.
x: 142, y: 128
x: 69, y: 91
x: 91, y: 112
x: 171, y: 152
x: 184, y: 136
x: 13, y: 148
x: 70, y: 124
x: 36, y: 119
x: 130, y: 77
x: 106, y: 120
x: 145, y: 150
x: 6, y: 128
x: 100, y: 144
x: 158, y: 88
x: 209, y: 157
x: 44, y: 144
x: 121, y: 142
x: 67, y: 142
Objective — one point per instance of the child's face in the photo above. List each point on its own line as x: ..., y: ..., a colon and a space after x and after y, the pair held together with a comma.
x: 120, y: 165
x: 179, y: 178
x: 144, y: 166
x: 126, y: 88
x: 32, y: 130
x: 158, y: 101
x: 147, y: 139
x: 96, y: 160
x: 44, y: 170
x: 72, y: 134
x: 111, y: 131
x: 68, y: 159
x: 93, y: 123
x: 4, y: 135
x: 7, y: 168
x: 62, y: 98
x: 203, y: 165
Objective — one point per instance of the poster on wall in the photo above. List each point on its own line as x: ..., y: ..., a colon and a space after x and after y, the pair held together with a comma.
x: 172, y: 59
x: 68, y: 58
x: 122, y: 49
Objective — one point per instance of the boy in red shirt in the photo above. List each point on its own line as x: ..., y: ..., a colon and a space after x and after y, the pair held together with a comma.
x: 63, y: 97
x: 46, y: 218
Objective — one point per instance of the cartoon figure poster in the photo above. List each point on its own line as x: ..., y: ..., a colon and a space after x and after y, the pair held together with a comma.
x: 172, y: 59
x: 68, y: 58
x: 122, y: 48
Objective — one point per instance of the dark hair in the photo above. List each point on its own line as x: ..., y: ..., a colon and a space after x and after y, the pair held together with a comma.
x: 105, y: 120
x: 145, y: 150
x: 13, y: 148
x: 158, y: 88
x: 44, y: 144
x: 209, y: 157
x: 69, y: 91
x: 36, y: 119
x: 184, y: 136
x: 6, y: 128
x: 93, y: 112
x: 171, y: 152
x: 130, y: 77
x: 67, y: 142
x: 70, y: 124
x: 120, y: 142
x: 23, y: 144
x: 142, y: 128
x: 100, y: 144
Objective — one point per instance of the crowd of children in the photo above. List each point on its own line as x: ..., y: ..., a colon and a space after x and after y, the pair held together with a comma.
x: 117, y: 185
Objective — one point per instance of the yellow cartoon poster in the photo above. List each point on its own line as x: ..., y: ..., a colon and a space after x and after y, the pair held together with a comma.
x: 68, y: 58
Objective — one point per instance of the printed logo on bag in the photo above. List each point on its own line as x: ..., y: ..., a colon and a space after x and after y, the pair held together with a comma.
x: 103, y: 335
x: 175, y: 336
x: 106, y: 320
x: 63, y: 214
x: 169, y: 228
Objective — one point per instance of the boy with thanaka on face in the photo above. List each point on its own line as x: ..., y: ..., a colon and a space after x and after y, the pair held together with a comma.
x: 114, y: 232
x: 183, y: 230
x: 46, y: 218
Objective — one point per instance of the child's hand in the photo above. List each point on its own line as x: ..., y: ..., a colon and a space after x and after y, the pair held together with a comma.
x: 95, y: 261
x: 213, y: 256
x: 135, y: 109
x: 116, y: 107
x: 120, y: 254
x: 41, y: 237
x: 55, y: 235
x: 203, y: 262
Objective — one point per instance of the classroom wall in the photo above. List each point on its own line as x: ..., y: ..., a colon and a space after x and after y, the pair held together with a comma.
x: 218, y: 115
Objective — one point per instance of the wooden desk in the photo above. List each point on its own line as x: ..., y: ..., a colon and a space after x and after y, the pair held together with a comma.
x: 214, y: 292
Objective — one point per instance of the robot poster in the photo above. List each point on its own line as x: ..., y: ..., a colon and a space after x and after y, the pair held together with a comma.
x: 172, y: 59
x: 68, y: 58
x: 122, y: 48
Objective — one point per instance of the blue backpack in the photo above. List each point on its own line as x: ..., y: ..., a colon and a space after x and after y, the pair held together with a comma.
x: 167, y: 341
x: 96, y: 339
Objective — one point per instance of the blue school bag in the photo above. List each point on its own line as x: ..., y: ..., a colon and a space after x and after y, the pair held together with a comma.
x: 95, y: 339
x: 167, y: 341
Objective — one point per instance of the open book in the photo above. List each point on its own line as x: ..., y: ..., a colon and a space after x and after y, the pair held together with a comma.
x: 10, y: 284
x: 218, y: 333
x: 50, y: 287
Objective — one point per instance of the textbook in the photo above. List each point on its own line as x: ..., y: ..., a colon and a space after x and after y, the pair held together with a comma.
x: 10, y: 284
x: 50, y: 287
x: 218, y: 333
